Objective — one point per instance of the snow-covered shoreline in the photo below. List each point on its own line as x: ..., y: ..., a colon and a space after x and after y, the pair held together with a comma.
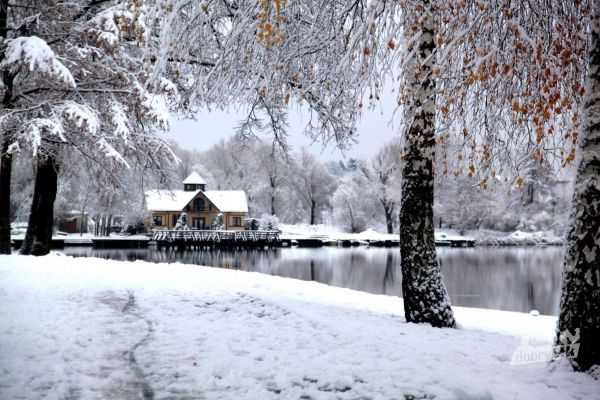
x: 482, y: 237
x: 98, y: 329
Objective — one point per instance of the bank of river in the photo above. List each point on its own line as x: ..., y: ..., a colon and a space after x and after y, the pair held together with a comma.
x: 503, y: 278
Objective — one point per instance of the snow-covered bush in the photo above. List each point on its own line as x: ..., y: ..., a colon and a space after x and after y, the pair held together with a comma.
x: 217, y: 224
x: 268, y: 222
x: 181, y: 224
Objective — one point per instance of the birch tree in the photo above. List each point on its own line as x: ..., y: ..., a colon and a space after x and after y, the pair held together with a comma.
x: 504, y: 77
x: 579, y: 321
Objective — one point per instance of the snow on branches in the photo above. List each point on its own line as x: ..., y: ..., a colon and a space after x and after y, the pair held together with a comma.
x: 508, y: 76
x: 34, y: 54
x: 77, y: 81
x: 265, y: 56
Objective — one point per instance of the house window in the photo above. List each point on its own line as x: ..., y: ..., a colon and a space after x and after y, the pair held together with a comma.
x: 237, y: 221
x: 158, y: 221
x: 189, y: 187
x: 199, y: 205
x: 175, y: 218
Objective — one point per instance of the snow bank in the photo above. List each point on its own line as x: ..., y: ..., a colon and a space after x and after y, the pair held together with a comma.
x: 482, y: 237
x: 99, y: 329
x: 517, y: 238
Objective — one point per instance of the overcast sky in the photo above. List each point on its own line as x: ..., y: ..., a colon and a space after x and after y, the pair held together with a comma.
x: 374, y: 131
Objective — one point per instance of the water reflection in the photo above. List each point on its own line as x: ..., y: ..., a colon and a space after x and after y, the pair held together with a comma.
x: 515, y: 279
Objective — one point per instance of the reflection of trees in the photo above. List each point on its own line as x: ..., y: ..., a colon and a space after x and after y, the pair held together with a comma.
x: 388, y: 277
x: 518, y: 279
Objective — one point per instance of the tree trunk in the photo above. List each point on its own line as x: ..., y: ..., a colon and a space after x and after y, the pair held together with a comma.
x: 425, y: 296
x: 273, y: 204
x: 5, y: 172
x: 39, y: 231
x: 578, y: 315
x: 353, y: 228
x: 388, y: 209
x: 5, y: 158
x: 273, y: 189
x: 108, y: 224
x: 313, y: 207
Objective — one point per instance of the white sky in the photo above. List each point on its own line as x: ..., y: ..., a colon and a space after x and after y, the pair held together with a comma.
x: 211, y: 126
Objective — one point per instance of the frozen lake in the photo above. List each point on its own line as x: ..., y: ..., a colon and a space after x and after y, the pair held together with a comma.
x: 505, y: 278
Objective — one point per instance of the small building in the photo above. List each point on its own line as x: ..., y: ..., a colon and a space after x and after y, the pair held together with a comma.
x: 73, y: 222
x: 201, y: 206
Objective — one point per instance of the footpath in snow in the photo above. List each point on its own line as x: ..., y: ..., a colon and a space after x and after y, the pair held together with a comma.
x: 77, y: 328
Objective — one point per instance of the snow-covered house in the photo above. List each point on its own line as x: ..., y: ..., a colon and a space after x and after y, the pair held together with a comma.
x: 201, y: 206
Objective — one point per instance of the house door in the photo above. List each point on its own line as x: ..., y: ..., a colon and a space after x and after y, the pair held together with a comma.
x: 198, y: 223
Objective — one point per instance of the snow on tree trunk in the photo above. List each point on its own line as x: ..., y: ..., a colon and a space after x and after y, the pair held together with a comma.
x: 581, y: 275
x: 5, y: 157
x: 425, y: 296
x: 5, y: 172
x: 39, y: 231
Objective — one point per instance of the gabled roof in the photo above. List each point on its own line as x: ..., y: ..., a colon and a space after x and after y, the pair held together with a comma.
x: 194, y: 179
x: 168, y: 200
x: 228, y: 200
x: 176, y: 200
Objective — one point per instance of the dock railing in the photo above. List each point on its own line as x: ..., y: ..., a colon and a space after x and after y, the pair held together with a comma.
x: 216, y: 236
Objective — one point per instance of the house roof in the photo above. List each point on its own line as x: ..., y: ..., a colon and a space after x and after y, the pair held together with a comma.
x: 194, y: 179
x: 168, y: 200
x: 228, y: 200
x: 176, y: 200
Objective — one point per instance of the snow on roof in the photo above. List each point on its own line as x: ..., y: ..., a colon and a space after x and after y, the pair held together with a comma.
x: 168, y: 200
x: 194, y: 179
x: 176, y: 200
x: 228, y: 200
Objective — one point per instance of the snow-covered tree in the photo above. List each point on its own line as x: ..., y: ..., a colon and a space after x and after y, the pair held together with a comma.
x: 313, y: 183
x: 262, y: 55
x: 188, y: 160
x: 232, y: 166
x: 273, y: 170
x: 21, y: 190
x: 579, y: 320
x: 354, y: 206
x: 217, y: 224
x: 503, y: 76
x: 181, y: 224
x: 384, y: 175
x: 71, y: 81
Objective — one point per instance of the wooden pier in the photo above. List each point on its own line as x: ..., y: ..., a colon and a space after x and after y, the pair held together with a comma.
x: 200, y: 239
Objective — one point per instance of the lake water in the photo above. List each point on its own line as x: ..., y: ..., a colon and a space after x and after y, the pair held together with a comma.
x: 512, y: 279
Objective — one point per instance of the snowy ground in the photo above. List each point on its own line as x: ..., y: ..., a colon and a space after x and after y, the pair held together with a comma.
x: 517, y: 238
x: 96, y: 329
